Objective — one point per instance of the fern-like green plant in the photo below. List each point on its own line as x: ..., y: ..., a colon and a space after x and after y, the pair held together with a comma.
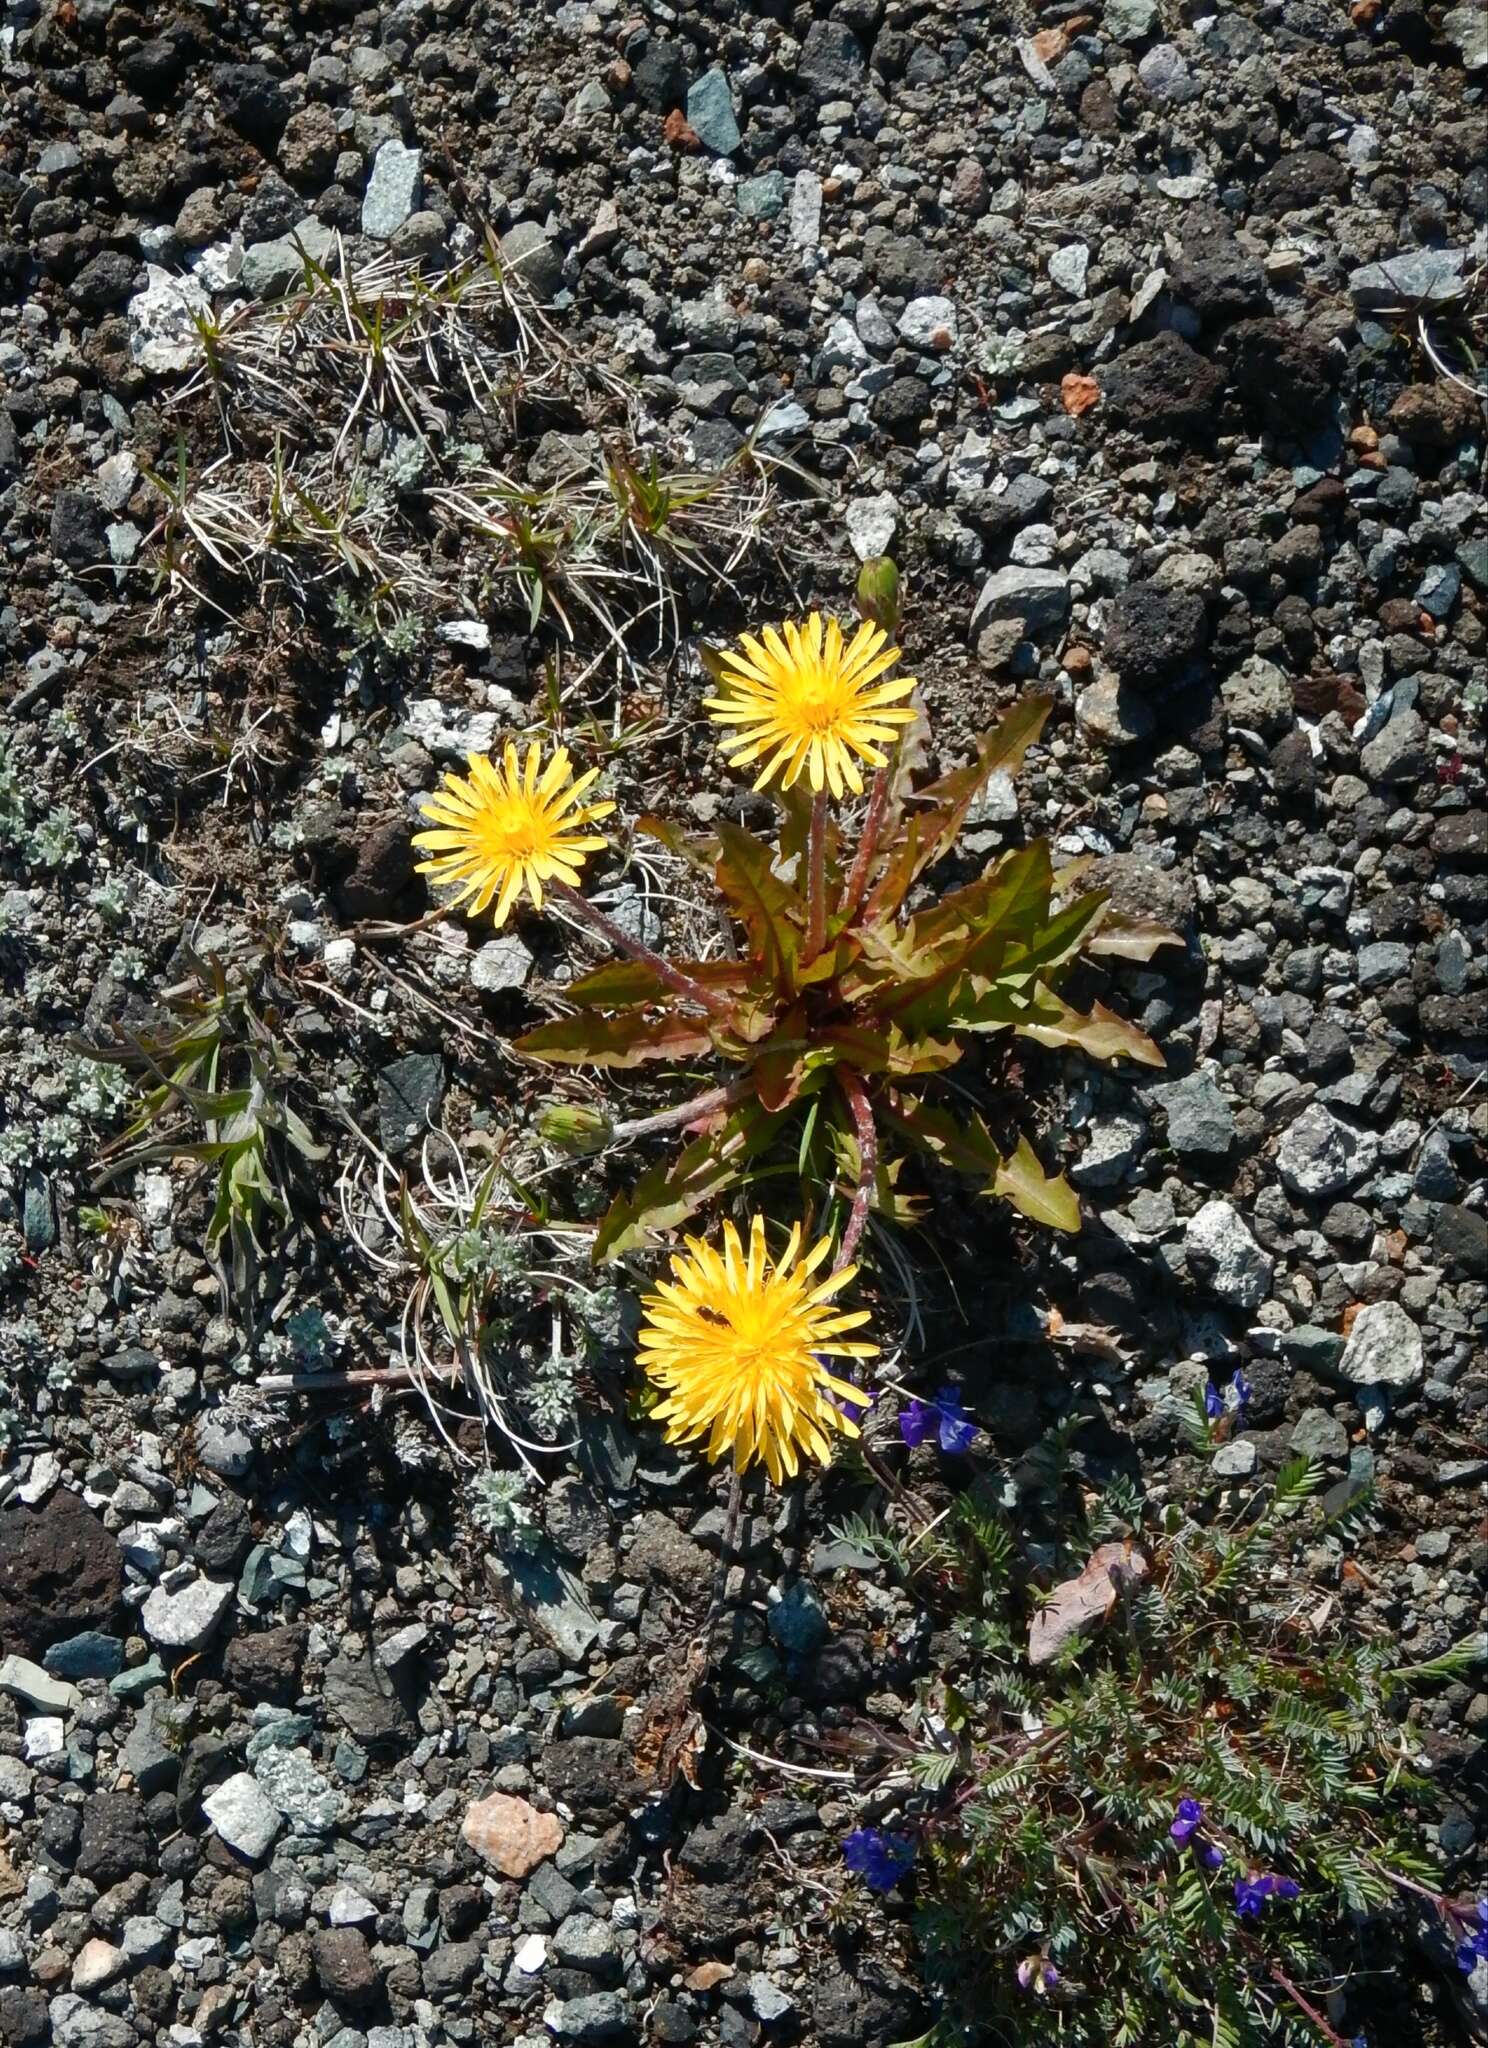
x: 1163, y: 1831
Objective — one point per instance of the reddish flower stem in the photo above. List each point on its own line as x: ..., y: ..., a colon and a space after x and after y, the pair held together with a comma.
x: 816, y: 877
x: 857, y: 881
x: 851, y: 1083
x: 684, y: 1112
x: 1308, y: 2010
x: 681, y: 984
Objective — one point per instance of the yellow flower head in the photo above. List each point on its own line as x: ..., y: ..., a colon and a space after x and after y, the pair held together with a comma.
x: 502, y: 828
x: 810, y: 702
x: 737, y: 1345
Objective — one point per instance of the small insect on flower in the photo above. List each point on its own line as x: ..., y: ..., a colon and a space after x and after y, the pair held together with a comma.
x: 506, y: 828
x: 880, y: 1858
x: 810, y: 703
x: 1251, y: 1893
x: 944, y: 1417
x: 737, y: 1344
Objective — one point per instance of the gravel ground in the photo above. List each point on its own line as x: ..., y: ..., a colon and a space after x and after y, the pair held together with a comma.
x: 1145, y: 340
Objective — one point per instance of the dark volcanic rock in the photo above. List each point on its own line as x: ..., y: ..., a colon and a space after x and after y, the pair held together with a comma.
x: 344, y: 1966
x: 381, y: 870
x: 831, y: 62
x: 60, y: 1573
x: 117, y: 1839
x: 1152, y: 630
x: 1282, y: 373
x: 1164, y: 389
x: 253, y: 101
x: 593, y: 1774
x: 1219, y: 279
x: 1304, y: 177
x: 77, y: 529
x: 267, y: 1666
x: 868, y: 2002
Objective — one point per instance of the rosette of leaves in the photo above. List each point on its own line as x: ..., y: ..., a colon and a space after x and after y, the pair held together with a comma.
x: 215, y: 1081
x: 1168, y: 1802
x: 829, y: 1030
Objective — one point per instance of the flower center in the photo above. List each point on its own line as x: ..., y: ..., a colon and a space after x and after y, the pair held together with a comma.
x: 516, y: 827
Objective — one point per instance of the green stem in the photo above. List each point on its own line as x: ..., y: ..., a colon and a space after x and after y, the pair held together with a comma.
x: 816, y: 877
x: 680, y: 984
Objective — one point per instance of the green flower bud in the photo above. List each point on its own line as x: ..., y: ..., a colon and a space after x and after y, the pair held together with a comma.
x: 574, y: 1128
x: 878, y: 593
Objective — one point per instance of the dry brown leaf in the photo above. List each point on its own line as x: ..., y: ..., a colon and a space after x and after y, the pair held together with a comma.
x: 1084, y: 1602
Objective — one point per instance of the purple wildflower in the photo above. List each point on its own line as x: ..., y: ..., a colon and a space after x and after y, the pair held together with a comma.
x: 1187, y: 1818
x: 1242, y: 1389
x: 1209, y: 1854
x: 1474, y: 1949
x: 944, y: 1417
x: 1037, y: 1975
x: 1251, y: 1893
x: 878, y: 1857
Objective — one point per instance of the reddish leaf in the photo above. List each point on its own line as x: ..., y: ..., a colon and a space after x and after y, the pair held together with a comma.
x: 768, y: 908
x: 588, y: 1040
x: 631, y: 984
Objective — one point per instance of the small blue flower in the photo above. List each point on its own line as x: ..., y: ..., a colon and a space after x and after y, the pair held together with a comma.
x: 878, y: 1857
x: 944, y: 1417
x: 1187, y: 1818
x: 1214, y: 1405
x: 1251, y: 1893
x: 1209, y: 1854
x: 1475, y: 1949
x: 1242, y: 1389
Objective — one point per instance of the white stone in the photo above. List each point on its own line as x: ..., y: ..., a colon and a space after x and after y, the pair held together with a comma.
x: 98, y: 1963
x: 339, y: 960
x: 162, y: 330
x: 187, y: 1618
x: 29, y: 1682
x: 45, y: 1735
x: 349, y: 1907
x: 449, y: 732
x: 929, y: 322
x: 872, y: 323
x: 1223, y: 1254
x: 531, y: 1956
x: 393, y: 190
x: 1319, y: 1155
x: 1068, y: 267
x: 1384, y: 1348
x: 500, y: 964
x: 245, y: 1818
x: 806, y: 210
x: 871, y: 524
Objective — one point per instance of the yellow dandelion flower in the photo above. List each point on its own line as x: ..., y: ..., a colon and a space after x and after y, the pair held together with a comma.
x: 810, y: 702
x: 737, y: 1346
x: 501, y: 829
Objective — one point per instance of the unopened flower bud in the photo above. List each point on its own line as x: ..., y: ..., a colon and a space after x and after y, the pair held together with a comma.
x: 878, y: 593
x: 574, y: 1128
